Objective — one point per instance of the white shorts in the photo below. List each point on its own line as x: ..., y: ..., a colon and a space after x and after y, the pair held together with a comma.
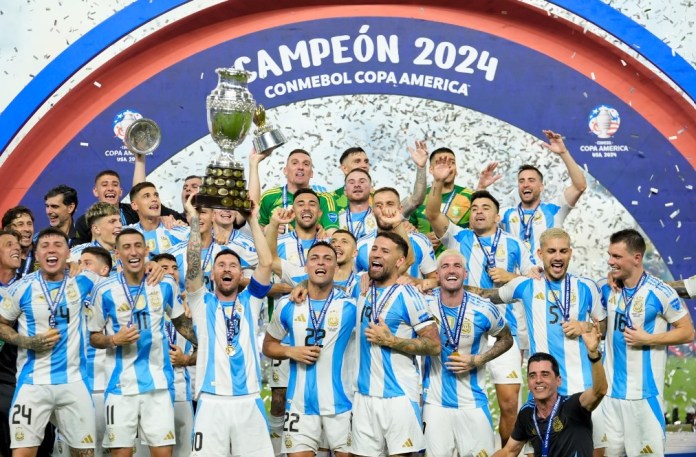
x: 60, y: 447
x: 280, y: 374
x: 452, y: 431
x: 506, y: 369
x: 68, y: 406
x: 394, y: 423
x: 152, y: 413
x: 303, y: 432
x: 183, y: 428
x: 634, y: 427
x: 226, y: 425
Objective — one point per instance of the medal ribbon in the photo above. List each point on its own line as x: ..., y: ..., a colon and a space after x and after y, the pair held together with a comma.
x: 628, y: 301
x: 126, y: 291
x: 361, y: 223
x: 565, y: 306
x: 449, y: 203
x: 231, y: 323
x: 351, y: 280
x: 378, y: 308
x: 208, y: 255
x: 317, y: 322
x: 546, y: 442
x: 490, y: 256
x: 300, y: 248
x: 53, y: 304
x: 453, y: 339
x: 171, y: 332
x: 526, y: 227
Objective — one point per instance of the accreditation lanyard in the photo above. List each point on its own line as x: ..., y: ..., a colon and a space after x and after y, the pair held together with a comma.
x: 565, y: 305
x: 361, y: 223
x: 28, y: 263
x: 628, y: 301
x: 300, y: 248
x: 317, y: 322
x: 490, y: 255
x: 377, y: 308
x: 527, y: 227
x: 231, y: 323
x: 453, y: 339
x: 132, y: 301
x: 546, y: 441
x: 53, y: 304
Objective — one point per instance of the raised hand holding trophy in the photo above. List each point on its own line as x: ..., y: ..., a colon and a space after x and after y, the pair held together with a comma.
x: 231, y: 108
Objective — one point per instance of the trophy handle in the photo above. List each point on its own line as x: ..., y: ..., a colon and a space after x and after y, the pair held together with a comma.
x: 142, y: 137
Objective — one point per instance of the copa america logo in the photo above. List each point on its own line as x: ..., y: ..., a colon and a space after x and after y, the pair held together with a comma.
x: 123, y: 120
x: 604, y: 121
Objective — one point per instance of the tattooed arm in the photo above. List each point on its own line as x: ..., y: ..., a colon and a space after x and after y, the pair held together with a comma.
x: 427, y: 342
x: 184, y: 325
x: 194, y: 269
x: 419, y: 154
x: 39, y: 343
x: 459, y: 364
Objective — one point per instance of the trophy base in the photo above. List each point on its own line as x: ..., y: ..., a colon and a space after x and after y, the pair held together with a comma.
x: 224, y: 187
x: 269, y: 140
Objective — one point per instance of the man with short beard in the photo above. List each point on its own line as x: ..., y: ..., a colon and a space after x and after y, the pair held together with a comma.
x: 532, y: 215
x: 21, y: 219
x: 558, y: 309
x: 386, y: 410
x: 230, y: 417
x: 387, y: 209
x: 456, y: 417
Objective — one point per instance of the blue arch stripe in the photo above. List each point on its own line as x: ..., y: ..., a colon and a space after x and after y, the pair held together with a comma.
x: 638, y: 38
x: 68, y: 62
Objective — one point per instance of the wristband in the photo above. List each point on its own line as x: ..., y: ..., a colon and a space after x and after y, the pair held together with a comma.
x: 596, y: 359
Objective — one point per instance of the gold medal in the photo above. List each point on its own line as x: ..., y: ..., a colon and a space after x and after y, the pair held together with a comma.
x: 456, y: 354
x: 230, y: 350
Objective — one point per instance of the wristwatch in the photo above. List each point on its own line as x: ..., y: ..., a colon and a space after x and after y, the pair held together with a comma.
x: 595, y: 359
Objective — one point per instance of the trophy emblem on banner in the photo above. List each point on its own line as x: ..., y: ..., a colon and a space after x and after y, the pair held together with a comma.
x: 231, y: 109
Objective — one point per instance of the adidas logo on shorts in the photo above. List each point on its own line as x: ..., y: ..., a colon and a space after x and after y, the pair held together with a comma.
x: 407, y: 443
x: 512, y: 375
x: 87, y: 440
x: 169, y: 436
x: 646, y: 450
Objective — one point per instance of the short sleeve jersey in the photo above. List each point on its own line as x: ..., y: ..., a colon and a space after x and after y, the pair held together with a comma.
x: 27, y: 304
x: 161, y: 239
x: 444, y: 388
x: 144, y: 365
x: 543, y: 304
x: 321, y: 388
x: 423, y: 264
x: 383, y: 372
x: 280, y: 197
x: 571, y: 429
x: 638, y: 372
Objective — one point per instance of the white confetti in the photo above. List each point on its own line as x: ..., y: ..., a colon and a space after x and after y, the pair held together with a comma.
x: 669, y: 260
x: 676, y: 167
x: 668, y: 204
x: 634, y: 202
x: 654, y: 190
x: 639, y: 188
x: 202, y: 75
x: 593, y: 76
x: 678, y: 224
x: 84, y: 143
x: 674, y: 214
x: 689, y: 186
x: 662, y: 224
x: 673, y: 137
x: 623, y: 62
x: 97, y: 83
